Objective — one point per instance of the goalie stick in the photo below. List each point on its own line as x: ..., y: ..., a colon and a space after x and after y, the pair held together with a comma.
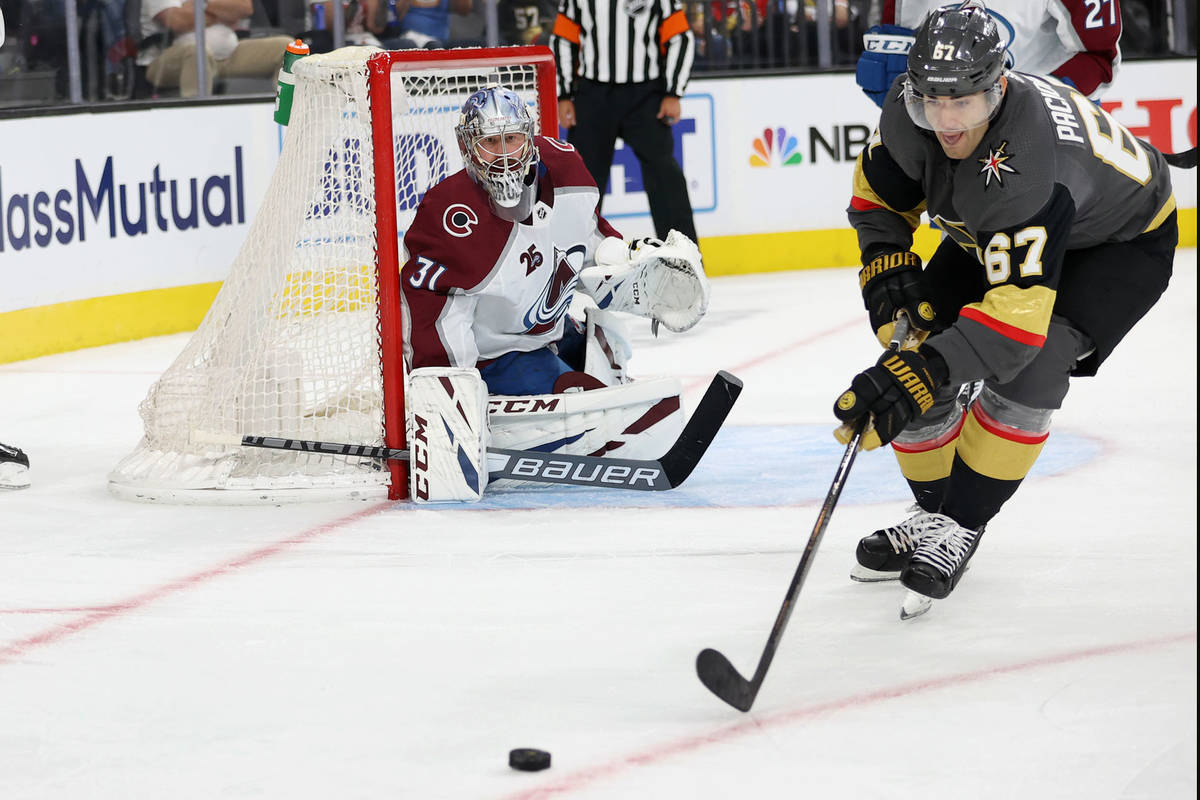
x: 714, y: 669
x: 650, y: 475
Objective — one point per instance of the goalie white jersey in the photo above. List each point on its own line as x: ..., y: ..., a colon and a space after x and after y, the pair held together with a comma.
x: 477, y: 286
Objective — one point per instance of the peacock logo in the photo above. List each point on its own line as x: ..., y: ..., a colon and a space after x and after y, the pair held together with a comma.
x: 775, y: 147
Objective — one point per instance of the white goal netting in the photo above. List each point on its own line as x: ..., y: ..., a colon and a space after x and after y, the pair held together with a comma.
x: 291, y: 346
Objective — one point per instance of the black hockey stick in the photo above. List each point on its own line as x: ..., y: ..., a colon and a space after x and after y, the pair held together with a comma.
x: 1184, y: 160
x: 715, y: 670
x: 650, y: 475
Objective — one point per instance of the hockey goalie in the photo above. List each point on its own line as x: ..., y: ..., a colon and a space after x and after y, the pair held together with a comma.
x: 497, y: 253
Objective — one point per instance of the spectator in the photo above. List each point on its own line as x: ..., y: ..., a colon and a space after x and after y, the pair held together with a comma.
x: 424, y: 23
x: 711, y: 48
x: 363, y: 20
x: 526, y: 21
x: 631, y: 91
x: 170, y: 59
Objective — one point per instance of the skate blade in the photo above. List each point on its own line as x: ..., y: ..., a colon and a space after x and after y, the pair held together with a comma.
x: 861, y: 574
x: 914, y: 605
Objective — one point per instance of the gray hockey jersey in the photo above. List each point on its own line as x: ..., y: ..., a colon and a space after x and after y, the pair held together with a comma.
x: 1054, y: 172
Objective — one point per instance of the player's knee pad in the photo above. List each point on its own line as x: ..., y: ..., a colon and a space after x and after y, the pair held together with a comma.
x: 447, y: 434
x: 945, y: 414
x: 1013, y: 414
x: 633, y: 420
x: 925, y: 449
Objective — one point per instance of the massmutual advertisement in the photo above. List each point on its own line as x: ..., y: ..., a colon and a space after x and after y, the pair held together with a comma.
x: 121, y: 225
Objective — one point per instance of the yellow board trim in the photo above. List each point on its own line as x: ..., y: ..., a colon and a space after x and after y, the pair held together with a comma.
x: 33, y: 332
x: 779, y: 252
x: 40, y: 331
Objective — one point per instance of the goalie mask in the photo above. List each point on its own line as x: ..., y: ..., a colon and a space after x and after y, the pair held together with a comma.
x: 955, y: 66
x: 495, y: 136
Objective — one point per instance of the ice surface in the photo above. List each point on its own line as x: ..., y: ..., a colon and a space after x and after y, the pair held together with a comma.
x: 378, y: 650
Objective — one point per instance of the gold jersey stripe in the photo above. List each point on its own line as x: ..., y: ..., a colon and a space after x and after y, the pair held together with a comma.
x: 1162, y: 214
x: 1022, y: 315
x: 863, y: 189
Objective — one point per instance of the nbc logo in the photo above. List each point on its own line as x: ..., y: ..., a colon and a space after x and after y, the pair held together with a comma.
x: 775, y: 146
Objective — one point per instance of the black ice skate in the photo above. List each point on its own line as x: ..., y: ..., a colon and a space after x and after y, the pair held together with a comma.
x: 884, y: 553
x: 14, y: 468
x: 939, y: 561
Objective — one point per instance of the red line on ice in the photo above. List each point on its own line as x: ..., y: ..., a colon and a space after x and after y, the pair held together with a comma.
x: 655, y: 755
x: 14, y: 650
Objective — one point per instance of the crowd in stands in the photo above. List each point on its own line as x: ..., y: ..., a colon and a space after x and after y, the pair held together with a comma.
x: 121, y: 43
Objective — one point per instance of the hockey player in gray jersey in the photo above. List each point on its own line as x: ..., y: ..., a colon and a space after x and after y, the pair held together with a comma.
x: 1060, y: 232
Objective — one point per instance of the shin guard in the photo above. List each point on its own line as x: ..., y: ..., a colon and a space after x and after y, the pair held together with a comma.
x: 447, y: 435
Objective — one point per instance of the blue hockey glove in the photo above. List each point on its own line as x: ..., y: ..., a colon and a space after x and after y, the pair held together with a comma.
x: 885, y: 55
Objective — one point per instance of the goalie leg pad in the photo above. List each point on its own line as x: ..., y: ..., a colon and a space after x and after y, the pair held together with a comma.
x: 447, y: 435
x: 634, y: 420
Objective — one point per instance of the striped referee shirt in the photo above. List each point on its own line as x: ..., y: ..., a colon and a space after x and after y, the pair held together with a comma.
x: 622, y: 41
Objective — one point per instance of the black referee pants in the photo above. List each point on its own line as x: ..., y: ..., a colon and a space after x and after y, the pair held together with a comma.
x: 604, y: 111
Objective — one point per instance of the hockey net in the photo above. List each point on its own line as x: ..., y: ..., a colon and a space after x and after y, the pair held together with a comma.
x: 303, y: 341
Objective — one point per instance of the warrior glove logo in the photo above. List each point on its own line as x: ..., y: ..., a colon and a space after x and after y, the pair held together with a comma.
x: 914, y: 384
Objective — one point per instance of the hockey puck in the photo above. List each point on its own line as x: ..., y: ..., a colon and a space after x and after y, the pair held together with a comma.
x: 528, y: 759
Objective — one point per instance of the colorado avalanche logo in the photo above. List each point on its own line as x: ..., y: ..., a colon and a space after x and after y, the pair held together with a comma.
x: 459, y: 220
x: 544, y: 314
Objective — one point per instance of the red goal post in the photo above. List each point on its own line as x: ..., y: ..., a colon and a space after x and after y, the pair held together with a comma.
x: 304, y: 340
x: 382, y: 68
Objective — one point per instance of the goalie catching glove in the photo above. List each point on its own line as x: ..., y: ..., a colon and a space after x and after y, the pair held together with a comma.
x: 895, y: 391
x: 662, y: 281
x: 893, y: 282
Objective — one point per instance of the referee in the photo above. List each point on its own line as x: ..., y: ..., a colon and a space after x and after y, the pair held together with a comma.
x: 622, y: 67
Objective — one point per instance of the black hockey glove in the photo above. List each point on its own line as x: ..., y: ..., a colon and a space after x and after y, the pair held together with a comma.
x: 896, y: 390
x: 893, y: 282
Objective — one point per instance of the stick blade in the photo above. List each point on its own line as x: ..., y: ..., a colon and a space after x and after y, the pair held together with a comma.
x: 723, y: 680
x: 702, y: 428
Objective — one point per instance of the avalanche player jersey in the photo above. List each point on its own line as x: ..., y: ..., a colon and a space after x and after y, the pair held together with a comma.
x: 1073, y: 39
x: 1052, y: 173
x: 477, y: 286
